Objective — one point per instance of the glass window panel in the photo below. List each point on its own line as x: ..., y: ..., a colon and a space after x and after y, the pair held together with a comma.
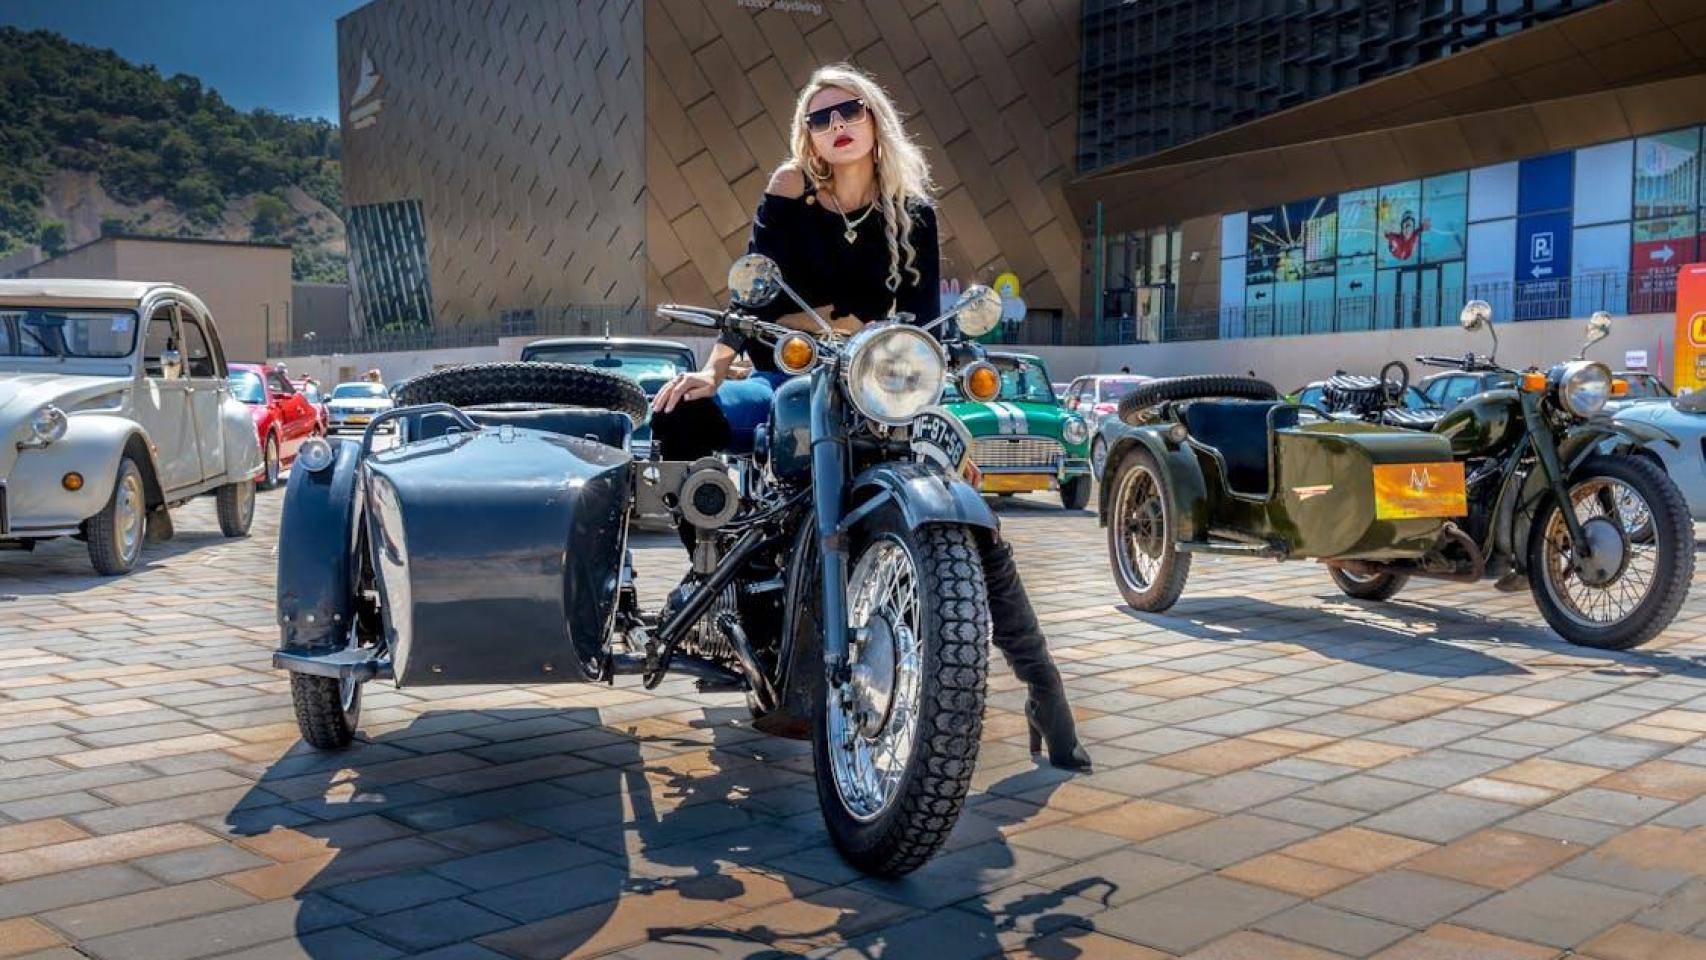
x: 1400, y: 223
x: 1445, y: 213
x: 1386, y: 300
x: 1231, y: 298
x: 1604, y: 180
x: 1492, y: 192
x: 1318, y: 304
x: 1598, y: 275
x: 1545, y: 183
x: 1357, y: 216
x: 1288, y: 307
x: 1451, y: 292
x: 1355, y: 286
x: 1233, y: 228
x: 1259, y: 310
x: 1492, y: 264
x: 1667, y: 173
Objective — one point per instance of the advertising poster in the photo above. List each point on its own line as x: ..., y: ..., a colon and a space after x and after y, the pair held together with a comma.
x: 1667, y: 170
x: 1657, y: 248
x: 1445, y: 206
x: 1358, y: 217
x: 1690, y: 348
x: 1401, y: 224
x: 1290, y: 242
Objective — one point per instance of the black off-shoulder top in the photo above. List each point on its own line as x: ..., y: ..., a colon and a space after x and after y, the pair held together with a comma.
x: 809, y: 242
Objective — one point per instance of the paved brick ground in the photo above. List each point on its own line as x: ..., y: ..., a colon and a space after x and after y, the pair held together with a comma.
x: 1281, y: 774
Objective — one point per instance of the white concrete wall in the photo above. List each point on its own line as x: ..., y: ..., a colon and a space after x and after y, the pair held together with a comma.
x: 1287, y: 362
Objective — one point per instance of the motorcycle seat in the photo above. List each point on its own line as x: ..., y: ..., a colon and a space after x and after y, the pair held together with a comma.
x: 1411, y: 419
x: 1238, y: 431
x: 604, y: 426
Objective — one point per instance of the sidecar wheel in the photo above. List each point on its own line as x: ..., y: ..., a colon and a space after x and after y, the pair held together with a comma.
x: 1075, y: 493
x: 1632, y: 585
x: 1142, y: 536
x: 1375, y: 586
x: 327, y: 709
x: 894, y: 750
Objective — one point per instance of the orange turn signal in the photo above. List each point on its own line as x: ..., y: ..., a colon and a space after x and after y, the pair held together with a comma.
x: 72, y: 481
x: 1534, y: 382
x: 1619, y: 387
x: 796, y: 353
x: 981, y: 383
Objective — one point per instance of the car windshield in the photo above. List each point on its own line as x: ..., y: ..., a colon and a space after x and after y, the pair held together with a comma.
x: 651, y: 369
x: 1414, y: 400
x: 1025, y: 380
x: 49, y: 332
x: 1114, y: 390
x: 1645, y: 386
x: 246, y: 386
x: 359, y: 391
x: 311, y: 393
x: 1691, y: 402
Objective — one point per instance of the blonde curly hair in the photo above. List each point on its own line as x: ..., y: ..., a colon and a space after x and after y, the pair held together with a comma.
x: 902, y: 173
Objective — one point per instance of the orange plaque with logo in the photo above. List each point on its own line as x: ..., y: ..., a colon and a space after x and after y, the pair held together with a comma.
x: 1407, y: 491
x: 1690, y: 373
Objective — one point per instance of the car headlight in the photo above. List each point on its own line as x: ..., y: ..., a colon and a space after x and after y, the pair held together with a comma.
x: 47, y: 425
x: 1584, y: 386
x: 1073, y: 431
x: 894, y: 371
x: 315, y: 454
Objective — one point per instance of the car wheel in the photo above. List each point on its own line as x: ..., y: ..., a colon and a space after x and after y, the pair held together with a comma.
x: 115, y: 534
x: 269, y: 478
x: 236, y: 508
x: 1075, y: 493
x: 1148, y: 566
x: 1098, y: 458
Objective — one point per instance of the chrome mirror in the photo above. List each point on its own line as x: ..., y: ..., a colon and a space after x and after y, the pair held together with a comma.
x: 978, y: 310
x: 754, y: 280
x: 171, y: 363
x: 1476, y: 314
x: 1599, y: 327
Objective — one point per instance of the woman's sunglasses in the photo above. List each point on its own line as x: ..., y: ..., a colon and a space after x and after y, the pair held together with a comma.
x: 852, y: 112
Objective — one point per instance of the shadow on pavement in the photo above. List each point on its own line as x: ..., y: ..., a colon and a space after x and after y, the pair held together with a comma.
x: 554, y: 833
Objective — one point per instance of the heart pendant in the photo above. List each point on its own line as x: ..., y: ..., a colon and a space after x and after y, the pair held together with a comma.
x: 851, y: 235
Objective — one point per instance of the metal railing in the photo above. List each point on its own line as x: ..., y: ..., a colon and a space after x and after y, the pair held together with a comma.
x: 590, y: 321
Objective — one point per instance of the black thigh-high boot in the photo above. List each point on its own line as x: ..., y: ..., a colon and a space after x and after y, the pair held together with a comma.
x: 1020, y: 639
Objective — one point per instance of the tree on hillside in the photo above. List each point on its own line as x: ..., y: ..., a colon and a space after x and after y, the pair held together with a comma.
x: 272, y: 215
x: 52, y: 238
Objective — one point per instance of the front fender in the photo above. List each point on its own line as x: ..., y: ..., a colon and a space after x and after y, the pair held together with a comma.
x: 1584, y: 439
x: 91, y: 447
x: 317, y: 553
x: 924, y: 495
x: 241, y: 440
x: 1185, y: 483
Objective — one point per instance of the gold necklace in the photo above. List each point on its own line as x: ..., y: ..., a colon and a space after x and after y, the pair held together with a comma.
x: 852, y: 232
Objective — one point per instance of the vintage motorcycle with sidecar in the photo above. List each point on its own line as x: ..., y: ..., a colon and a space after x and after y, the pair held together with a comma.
x: 1219, y: 465
x: 835, y: 573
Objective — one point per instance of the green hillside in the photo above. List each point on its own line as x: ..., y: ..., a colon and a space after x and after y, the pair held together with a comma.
x: 169, y: 157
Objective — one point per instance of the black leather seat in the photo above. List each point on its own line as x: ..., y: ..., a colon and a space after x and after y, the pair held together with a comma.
x: 603, y: 426
x: 1238, y: 429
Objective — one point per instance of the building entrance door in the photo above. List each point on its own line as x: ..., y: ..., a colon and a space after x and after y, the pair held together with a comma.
x: 1418, y: 301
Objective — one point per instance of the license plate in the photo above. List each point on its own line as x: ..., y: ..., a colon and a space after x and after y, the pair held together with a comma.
x: 357, y: 419
x: 1409, y: 491
x: 940, y: 439
x: 1015, y: 482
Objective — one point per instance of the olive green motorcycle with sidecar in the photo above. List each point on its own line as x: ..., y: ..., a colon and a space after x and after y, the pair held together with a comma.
x: 1220, y: 465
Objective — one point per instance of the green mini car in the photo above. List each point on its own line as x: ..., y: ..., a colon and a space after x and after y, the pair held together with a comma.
x: 1025, y: 440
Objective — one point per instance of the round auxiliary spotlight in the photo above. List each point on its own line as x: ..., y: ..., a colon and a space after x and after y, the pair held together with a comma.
x: 315, y: 454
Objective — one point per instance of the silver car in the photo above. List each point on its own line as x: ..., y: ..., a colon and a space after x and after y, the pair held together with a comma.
x: 353, y: 405
x: 1684, y: 418
x: 1095, y: 397
x: 114, y: 407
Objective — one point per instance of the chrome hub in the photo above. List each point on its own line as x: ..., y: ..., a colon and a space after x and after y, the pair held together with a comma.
x: 873, y: 674
x: 1605, y: 554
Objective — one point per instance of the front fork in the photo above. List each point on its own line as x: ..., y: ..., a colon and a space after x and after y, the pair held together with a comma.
x: 829, y: 480
x: 1546, y: 451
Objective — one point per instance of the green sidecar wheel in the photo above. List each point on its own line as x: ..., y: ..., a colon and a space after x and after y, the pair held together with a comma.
x: 1143, y: 536
x: 1378, y: 586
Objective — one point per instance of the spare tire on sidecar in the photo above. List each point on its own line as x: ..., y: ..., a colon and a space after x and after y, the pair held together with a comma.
x: 390, y: 561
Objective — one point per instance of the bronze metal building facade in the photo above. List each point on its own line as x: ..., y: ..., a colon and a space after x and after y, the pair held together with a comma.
x: 508, y: 161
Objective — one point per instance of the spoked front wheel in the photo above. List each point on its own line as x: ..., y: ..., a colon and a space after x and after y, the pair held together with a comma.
x: 1629, y: 583
x: 1142, y: 533
x: 894, y: 748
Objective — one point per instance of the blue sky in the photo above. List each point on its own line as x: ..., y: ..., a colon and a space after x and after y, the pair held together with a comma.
x: 278, y: 54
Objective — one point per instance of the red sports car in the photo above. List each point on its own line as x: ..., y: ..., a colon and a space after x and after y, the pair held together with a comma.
x: 283, y: 416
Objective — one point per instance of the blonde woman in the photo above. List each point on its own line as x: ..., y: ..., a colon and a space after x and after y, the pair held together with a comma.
x: 849, y: 219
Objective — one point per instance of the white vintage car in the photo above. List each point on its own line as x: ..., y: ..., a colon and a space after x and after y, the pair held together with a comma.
x: 114, y: 407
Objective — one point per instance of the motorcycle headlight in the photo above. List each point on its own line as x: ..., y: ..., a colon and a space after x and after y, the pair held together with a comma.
x: 1584, y: 386
x: 1074, y: 431
x: 47, y: 425
x: 894, y: 371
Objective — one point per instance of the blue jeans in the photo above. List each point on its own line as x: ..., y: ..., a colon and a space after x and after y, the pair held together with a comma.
x: 727, y: 421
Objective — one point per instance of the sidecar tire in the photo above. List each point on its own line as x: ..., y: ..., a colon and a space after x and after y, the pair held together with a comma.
x: 1175, y: 389
x: 915, y: 824
x: 1669, y: 522
x: 1174, y: 567
x: 563, y: 384
x: 1381, y: 586
x: 321, y: 716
